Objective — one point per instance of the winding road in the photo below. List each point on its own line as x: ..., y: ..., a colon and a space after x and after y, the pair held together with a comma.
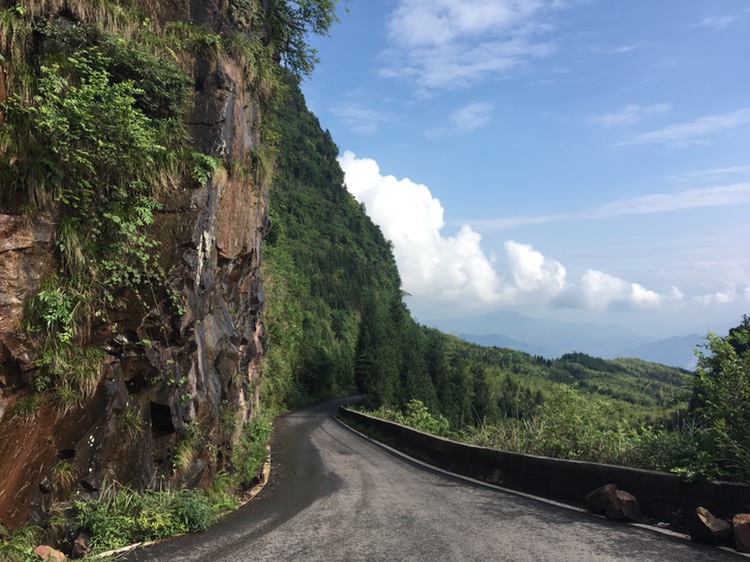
x: 334, y: 495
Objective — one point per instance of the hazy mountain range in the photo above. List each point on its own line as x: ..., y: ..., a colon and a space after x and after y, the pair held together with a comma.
x: 552, y: 339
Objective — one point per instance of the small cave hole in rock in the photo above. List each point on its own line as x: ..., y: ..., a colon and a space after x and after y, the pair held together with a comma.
x: 10, y: 372
x: 138, y: 383
x: 66, y: 454
x: 161, y: 420
x: 154, y: 333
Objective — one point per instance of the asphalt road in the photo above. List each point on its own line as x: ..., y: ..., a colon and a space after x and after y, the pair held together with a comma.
x: 336, y: 496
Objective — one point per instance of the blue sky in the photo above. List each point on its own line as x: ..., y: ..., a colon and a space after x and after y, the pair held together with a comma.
x: 579, y: 160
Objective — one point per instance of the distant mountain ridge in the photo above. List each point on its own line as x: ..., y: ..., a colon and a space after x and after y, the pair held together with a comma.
x: 497, y: 340
x: 551, y: 339
x: 675, y: 351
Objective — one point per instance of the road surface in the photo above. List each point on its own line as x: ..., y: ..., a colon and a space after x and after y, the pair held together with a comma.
x: 336, y: 496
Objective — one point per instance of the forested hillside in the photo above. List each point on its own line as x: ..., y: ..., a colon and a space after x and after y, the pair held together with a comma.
x: 136, y: 149
x: 338, y: 324
x: 325, y: 263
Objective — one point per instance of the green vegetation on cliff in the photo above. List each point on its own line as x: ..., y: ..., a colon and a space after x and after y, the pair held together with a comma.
x: 92, y: 136
x: 324, y: 260
x: 115, y: 129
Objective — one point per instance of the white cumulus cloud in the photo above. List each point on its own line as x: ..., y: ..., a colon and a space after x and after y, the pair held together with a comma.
x: 724, y: 297
x: 531, y: 271
x: 431, y: 264
x: 455, y: 271
x: 597, y: 290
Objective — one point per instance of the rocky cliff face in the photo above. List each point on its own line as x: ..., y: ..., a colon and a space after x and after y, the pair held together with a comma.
x: 174, y: 389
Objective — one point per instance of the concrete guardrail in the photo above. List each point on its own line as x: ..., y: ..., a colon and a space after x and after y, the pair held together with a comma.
x: 662, y: 496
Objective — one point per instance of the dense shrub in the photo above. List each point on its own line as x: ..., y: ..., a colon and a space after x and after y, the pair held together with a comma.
x: 250, y: 452
x: 121, y: 516
x: 418, y: 416
x: 710, y: 440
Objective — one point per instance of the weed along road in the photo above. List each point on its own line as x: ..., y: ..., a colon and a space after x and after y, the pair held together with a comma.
x: 336, y: 496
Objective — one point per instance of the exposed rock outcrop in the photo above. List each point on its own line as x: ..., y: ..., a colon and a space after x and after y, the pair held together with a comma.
x: 706, y: 527
x: 45, y: 552
x: 25, y: 259
x: 614, y: 504
x: 170, y: 381
x: 741, y: 526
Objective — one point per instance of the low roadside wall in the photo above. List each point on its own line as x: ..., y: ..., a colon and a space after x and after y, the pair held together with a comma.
x: 662, y: 496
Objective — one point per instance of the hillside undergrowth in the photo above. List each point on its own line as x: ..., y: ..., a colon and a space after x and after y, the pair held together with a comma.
x: 705, y: 439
